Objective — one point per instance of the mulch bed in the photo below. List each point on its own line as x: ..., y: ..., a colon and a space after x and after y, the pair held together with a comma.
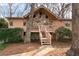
x: 16, y: 48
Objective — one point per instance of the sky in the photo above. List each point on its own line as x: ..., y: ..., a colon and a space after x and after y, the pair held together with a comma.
x: 17, y: 9
x: 20, y: 9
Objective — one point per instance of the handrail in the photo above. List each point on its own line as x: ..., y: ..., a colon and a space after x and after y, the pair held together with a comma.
x: 48, y: 35
x: 42, y: 28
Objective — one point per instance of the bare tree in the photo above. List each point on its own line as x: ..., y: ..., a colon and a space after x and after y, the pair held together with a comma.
x: 12, y: 9
x: 1, y: 11
x: 60, y: 9
x: 10, y: 13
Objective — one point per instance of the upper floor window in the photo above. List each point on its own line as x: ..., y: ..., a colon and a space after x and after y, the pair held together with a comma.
x: 11, y: 23
x: 40, y: 14
x: 46, y: 16
x: 34, y: 16
x: 24, y: 33
x: 24, y: 23
x: 67, y: 24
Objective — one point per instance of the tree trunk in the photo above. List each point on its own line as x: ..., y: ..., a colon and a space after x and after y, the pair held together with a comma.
x: 74, y: 50
x: 29, y: 25
x: 27, y: 37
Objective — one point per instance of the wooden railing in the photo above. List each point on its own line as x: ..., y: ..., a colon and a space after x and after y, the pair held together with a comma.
x: 48, y: 35
x: 36, y: 29
x: 45, y: 36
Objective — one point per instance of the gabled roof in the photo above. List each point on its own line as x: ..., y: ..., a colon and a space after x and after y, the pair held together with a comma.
x: 43, y: 8
x: 48, y: 10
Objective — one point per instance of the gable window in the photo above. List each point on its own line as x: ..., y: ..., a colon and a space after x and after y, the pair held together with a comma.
x: 40, y: 14
x: 11, y: 23
x: 46, y: 16
x: 34, y: 16
x: 24, y: 23
x: 24, y: 33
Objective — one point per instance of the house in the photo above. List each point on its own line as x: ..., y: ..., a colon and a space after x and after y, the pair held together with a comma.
x: 40, y: 16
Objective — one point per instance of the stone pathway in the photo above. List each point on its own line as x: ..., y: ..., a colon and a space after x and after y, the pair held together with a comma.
x: 41, y: 51
x: 25, y: 54
x: 44, y: 50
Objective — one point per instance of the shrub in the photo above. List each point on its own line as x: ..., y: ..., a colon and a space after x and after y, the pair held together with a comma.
x: 3, y: 46
x: 3, y: 23
x: 10, y: 34
x: 63, y: 34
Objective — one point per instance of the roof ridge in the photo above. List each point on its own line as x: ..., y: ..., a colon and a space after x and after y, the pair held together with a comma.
x: 42, y: 6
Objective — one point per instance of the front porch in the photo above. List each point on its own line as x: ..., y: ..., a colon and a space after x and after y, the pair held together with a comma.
x: 43, y: 34
x: 49, y: 28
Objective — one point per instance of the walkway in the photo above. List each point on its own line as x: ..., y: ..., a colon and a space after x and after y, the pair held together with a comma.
x: 38, y: 52
x: 45, y: 51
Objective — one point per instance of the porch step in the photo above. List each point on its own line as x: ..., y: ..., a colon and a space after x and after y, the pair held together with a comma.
x: 45, y: 42
x: 45, y: 36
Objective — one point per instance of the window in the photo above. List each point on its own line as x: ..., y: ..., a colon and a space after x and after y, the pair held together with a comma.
x: 67, y: 24
x: 46, y: 16
x: 24, y: 33
x: 24, y: 23
x: 34, y: 16
x: 40, y: 14
x: 11, y: 23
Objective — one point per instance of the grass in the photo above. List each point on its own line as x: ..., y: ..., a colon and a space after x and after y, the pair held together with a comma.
x: 3, y: 46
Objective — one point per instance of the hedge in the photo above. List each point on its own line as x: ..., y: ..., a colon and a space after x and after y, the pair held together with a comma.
x: 63, y: 34
x: 10, y: 34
